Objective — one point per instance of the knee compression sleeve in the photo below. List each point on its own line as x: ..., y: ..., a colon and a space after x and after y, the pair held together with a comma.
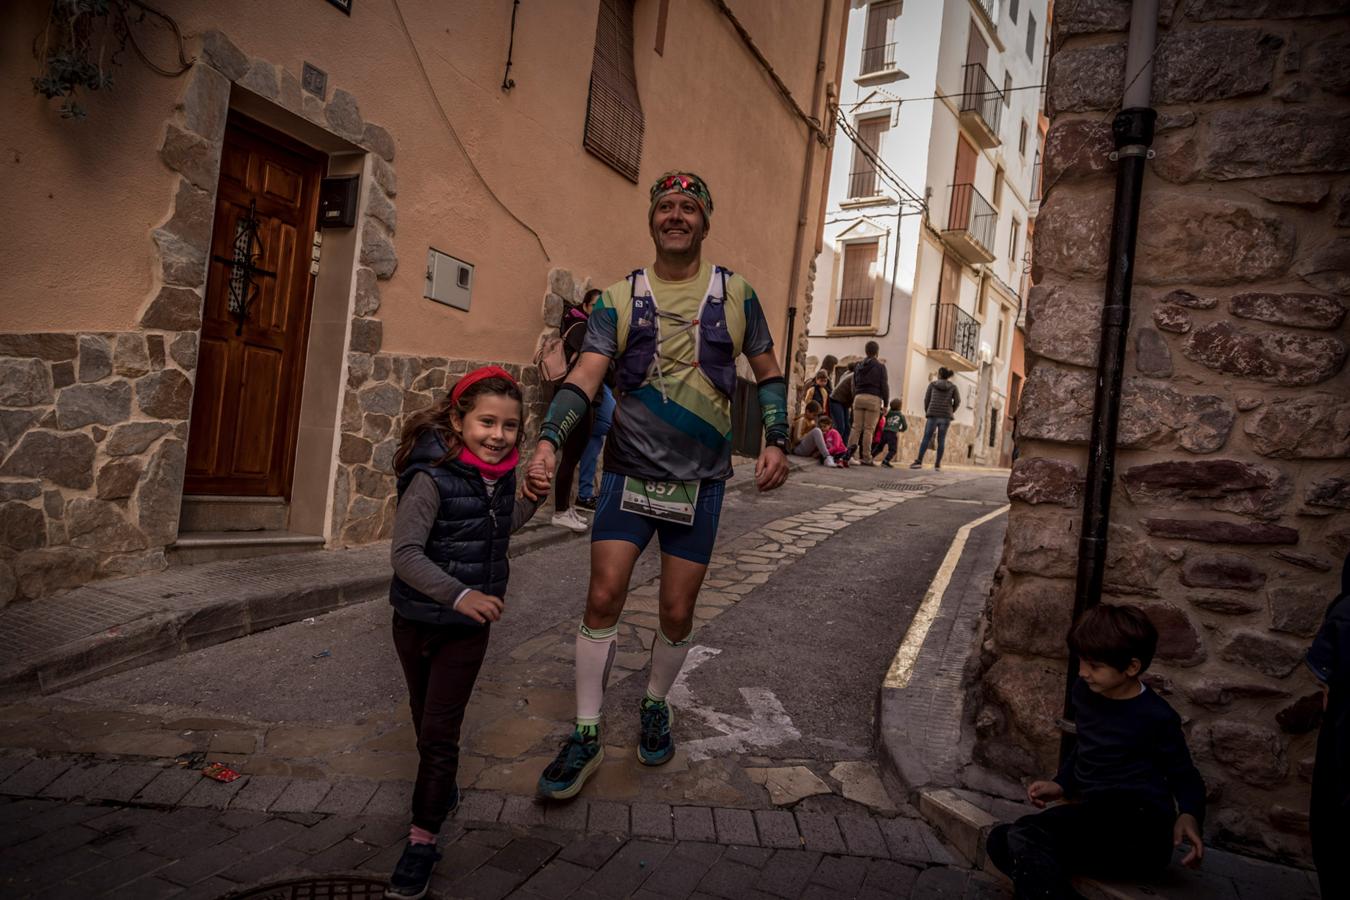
x: 567, y: 409
x: 667, y: 660
x: 595, y: 655
x: 772, y: 394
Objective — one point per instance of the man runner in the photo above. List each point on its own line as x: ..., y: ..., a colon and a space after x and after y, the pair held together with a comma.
x: 673, y: 333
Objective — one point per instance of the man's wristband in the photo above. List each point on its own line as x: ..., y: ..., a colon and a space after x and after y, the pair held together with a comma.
x: 568, y: 406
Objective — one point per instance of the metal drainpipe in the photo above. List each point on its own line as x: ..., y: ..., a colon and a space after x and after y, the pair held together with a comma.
x: 1133, y: 133
x: 790, y: 352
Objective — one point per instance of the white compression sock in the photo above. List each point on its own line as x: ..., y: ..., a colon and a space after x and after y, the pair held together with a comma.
x: 667, y: 660
x: 595, y: 655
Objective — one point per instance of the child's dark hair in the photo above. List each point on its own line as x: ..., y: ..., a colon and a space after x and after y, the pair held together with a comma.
x: 1114, y: 635
x: 824, y: 418
x: 896, y: 404
x: 438, y: 418
x: 812, y: 406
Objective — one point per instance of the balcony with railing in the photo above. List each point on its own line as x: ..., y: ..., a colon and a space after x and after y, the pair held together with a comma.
x: 875, y: 60
x: 864, y: 184
x: 971, y: 221
x: 981, y: 105
x: 854, y: 312
x: 955, y: 337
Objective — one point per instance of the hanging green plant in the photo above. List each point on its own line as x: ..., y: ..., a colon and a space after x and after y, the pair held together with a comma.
x: 84, y: 39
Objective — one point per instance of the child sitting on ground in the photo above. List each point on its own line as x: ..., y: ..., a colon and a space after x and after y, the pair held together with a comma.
x: 806, y: 421
x: 1134, y: 792
x: 821, y: 441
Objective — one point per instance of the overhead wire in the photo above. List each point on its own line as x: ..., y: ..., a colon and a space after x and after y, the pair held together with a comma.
x: 903, y: 100
x: 435, y: 98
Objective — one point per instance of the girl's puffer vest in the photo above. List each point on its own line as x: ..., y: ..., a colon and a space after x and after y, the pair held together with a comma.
x: 469, y: 537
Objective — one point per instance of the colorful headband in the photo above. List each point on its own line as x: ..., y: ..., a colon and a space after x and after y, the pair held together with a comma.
x: 686, y: 183
x: 476, y: 376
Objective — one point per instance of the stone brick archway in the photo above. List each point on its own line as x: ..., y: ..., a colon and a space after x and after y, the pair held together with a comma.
x: 93, y: 436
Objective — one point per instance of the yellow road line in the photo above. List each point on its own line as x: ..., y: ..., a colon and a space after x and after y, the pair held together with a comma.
x: 902, y: 667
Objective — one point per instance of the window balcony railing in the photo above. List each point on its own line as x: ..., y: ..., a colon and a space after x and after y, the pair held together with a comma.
x: 864, y: 183
x: 981, y: 104
x: 854, y: 312
x: 971, y: 221
x: 955, y: 331
x: 880, y: 58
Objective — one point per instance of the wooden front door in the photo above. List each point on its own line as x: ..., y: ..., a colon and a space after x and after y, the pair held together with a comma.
x: 246, y: 403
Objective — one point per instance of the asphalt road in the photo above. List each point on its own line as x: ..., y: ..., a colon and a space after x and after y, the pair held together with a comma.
x: 815, y: 638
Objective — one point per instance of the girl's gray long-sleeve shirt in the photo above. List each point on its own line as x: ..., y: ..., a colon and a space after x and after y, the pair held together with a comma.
x: 412, y: 523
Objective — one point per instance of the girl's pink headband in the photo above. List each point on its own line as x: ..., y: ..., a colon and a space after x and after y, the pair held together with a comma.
x: 476, y: 376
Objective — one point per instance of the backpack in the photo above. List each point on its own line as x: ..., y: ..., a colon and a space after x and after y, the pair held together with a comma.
x: 551, y: 358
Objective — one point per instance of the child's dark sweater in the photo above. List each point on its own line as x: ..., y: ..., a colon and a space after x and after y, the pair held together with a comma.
x: 1132, y: 746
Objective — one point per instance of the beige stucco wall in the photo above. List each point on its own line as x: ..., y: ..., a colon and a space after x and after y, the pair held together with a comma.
x: 80, y: 256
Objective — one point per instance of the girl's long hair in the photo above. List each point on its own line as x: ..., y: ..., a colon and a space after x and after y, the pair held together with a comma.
x: 437, y: 418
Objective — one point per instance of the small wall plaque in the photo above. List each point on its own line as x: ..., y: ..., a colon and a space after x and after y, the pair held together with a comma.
x: 314, y: 80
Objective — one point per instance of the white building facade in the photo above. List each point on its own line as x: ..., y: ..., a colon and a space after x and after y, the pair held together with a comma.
x: 925, y: 245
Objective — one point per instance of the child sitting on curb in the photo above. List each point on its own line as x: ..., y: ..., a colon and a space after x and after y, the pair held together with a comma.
x: 1134, y: 794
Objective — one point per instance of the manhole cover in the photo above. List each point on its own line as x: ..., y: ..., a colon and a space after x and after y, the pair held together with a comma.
x: 316, y: 889
x: 906, y: 486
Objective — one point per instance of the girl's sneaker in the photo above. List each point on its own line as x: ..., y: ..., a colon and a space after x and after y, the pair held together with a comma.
x: 829, y: 462
x: 412, y: 875
x: 577, y: 760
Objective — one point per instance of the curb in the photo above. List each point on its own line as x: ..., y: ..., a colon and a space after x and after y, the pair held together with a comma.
x: 163, y: 634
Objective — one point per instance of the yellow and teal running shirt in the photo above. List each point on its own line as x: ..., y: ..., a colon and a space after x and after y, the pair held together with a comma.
x: 685, y: 435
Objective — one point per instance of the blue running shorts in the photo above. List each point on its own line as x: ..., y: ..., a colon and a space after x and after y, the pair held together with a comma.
x: 692, y: 542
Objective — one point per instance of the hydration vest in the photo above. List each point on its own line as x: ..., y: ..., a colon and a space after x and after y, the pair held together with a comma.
x: 718, y: 328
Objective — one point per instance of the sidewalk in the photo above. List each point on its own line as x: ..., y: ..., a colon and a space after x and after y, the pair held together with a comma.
x: 110, y: 626
x: 926, y: 742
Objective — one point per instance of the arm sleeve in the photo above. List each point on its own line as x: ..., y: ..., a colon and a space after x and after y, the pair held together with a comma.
x: 927, y: 396
x: 524, y: 509
x: 1183, y: 778
x: 407, y: 552
x: 758, y: 339
x: 956, y: 398
x: 567, y: 409
x: 773, y: 406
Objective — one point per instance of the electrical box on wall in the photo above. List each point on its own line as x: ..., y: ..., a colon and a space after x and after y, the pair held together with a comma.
x: 449, y: 280
x: 337, y: 201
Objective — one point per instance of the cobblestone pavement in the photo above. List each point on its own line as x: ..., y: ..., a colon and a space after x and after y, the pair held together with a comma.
x: 228, y: 703
x: 67, y: 830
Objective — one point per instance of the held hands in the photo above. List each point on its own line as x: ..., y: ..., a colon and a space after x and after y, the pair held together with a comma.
x: 539, y: 473
x: 481, y: 607
x: 1039, y: 793
x: 771, y: 469
x: 1187, y: 830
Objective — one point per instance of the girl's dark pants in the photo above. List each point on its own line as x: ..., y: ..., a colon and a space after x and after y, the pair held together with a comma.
x: 1106, y: 836
x: 572, y: 451
x: 440, y: 664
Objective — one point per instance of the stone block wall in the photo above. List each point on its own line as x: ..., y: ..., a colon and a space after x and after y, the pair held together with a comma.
x: 1231, y: 508
x: 383, y: 389
x: 93, y: 431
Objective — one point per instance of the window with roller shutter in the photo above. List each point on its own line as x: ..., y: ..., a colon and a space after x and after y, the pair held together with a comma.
x: 614, y: 123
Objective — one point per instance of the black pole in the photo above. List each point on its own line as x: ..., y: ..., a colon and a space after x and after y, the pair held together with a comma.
x: 790, y: 353
x: 1133, y: 133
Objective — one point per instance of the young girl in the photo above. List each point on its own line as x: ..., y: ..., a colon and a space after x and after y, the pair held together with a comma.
x: 834, y: 442
x: 457, y: 508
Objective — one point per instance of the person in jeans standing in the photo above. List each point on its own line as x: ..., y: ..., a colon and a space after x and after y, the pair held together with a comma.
x: 940, y: 401
x: 604, y: 416
x: 573, y: 334
x: 841, y: 401
x: 871, y: 393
